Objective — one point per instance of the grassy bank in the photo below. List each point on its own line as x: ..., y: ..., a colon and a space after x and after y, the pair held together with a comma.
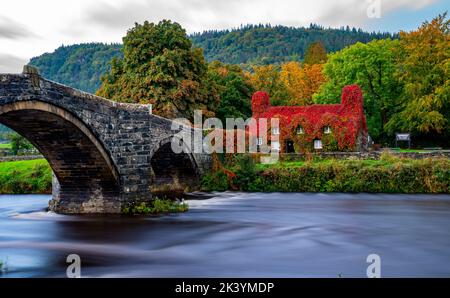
x: 388, y: 175
x: 25, y: 177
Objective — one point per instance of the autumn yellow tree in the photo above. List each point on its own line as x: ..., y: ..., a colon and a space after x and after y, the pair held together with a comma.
x: 267, y: 78
x: 292, y: 76
x: 424, y: 69
x: 301, y: 82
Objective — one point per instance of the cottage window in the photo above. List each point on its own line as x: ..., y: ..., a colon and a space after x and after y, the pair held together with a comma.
x: 327, y: 130
x: 276, y: 146
x: 260, y: 141
x: 317, y: 144
x: 276, y: 131
x: 300, y: 130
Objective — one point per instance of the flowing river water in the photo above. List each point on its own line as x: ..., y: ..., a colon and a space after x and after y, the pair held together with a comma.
x: 235, y: 235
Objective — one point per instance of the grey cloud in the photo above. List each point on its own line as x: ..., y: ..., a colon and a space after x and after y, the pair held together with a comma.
x: 110, y: 18
x: 355, y: 12
x: 11, y: 29
x: 10, y: 63
x: 189, y: 13
x: 107, y: 15
x: 336, y: 14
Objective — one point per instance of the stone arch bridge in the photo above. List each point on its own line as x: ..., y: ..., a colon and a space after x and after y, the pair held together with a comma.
x: 104, y: 155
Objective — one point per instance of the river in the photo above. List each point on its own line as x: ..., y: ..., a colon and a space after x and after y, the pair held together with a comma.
x: 235, y: 235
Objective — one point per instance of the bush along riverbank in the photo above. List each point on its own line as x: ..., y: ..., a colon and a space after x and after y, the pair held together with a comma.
x: 387, y: 175
x: 241, y: 173
x: 157, y: 206
x: 25, y: 177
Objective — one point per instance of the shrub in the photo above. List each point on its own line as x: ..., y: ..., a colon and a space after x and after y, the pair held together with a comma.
x: 329, y: 143
x: 217, y: 181
x: 157, y: 206
x: 388, y: 157
x: 389, y: 175
x: 245, y: 172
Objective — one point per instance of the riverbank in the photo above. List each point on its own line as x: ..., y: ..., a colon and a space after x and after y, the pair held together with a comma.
x: 25, y: 177
x: 388, y: 175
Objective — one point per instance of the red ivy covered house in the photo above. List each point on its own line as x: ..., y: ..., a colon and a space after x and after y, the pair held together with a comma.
x: 331, y: 127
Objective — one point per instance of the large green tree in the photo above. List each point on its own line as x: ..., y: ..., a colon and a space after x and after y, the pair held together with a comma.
x: 424, y: 69
x: 234, y: 89
x: 372, y: 66
x: 160, y: 67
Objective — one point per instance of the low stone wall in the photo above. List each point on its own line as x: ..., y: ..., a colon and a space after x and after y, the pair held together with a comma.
x: 375, y: 155
x: 19, y: 158
x: 421, y: 155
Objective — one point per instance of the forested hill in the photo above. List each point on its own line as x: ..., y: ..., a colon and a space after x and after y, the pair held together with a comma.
x: 265, y: 44
x: 81, y: 66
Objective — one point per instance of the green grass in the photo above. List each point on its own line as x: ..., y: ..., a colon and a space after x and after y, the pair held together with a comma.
x: 25, y: 177
x: 157, y: 206
x: 5, y: 146
x: 323, y: 162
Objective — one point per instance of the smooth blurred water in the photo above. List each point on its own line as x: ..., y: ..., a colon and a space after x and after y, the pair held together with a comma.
x: 235, y: 235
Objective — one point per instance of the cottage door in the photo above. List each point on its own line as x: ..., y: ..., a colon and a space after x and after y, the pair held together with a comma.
x: 290, y: 146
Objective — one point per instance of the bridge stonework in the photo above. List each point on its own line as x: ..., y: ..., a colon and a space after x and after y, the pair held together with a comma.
x: 104, y: 155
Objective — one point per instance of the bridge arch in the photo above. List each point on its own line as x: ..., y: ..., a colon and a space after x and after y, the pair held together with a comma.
x: 179, y: 170
x: 86, y: 175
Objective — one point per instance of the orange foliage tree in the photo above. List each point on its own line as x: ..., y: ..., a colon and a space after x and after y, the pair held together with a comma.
x: 301, y: 82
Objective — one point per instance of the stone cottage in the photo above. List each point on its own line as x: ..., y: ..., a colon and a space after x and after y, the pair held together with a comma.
x: 328, y: 127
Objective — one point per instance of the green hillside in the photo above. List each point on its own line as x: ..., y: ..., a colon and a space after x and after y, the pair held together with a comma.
x: 81, y: 66
x: 265, y: 44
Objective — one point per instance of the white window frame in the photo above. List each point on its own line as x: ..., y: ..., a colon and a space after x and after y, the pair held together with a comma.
x: 276, y: 131
x: 260, y: 141
x: 318, y: 144
x: 276, y: 146
x: 327, y: 130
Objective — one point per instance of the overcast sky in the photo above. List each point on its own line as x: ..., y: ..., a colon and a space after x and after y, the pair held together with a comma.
x: 29, y: 28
